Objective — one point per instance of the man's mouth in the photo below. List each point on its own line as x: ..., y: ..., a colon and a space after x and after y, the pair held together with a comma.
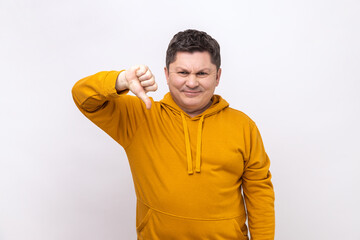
x: 191, y: 93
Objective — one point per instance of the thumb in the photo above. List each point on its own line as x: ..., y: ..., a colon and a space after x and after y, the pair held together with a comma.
x: 136, y: 88
x: 142, y: 95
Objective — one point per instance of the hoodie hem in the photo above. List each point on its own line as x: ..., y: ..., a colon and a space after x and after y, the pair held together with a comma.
x: 190, y: 218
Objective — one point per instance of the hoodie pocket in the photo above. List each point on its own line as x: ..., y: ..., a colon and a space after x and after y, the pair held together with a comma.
x: 241, y: 228
x: 143, y: 214
x: 144, y: 221
x: 156, y: 225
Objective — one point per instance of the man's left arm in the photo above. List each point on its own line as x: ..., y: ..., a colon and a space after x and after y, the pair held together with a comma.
x: 258, y: 189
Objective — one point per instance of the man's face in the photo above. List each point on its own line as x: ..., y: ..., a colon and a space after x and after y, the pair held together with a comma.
x: 192, y: 79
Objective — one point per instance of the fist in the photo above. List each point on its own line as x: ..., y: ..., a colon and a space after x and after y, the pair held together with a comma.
x: 139, y: 80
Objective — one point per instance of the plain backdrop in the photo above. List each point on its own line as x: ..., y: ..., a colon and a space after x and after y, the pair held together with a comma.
x: 292, y: 66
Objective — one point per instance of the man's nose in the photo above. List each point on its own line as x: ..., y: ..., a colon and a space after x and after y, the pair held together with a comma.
x: 192, y: 81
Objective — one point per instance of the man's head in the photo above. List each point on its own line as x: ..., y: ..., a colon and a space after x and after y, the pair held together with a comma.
x: 193, y: 41
x: 193, y: 70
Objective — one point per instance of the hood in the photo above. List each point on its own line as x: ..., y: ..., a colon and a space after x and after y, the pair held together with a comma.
x: 218, y: 104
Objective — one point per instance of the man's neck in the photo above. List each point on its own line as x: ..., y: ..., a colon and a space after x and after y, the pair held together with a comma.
x: 198, y: 111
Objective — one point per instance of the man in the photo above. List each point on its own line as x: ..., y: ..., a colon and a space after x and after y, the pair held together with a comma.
x: 190, y: 154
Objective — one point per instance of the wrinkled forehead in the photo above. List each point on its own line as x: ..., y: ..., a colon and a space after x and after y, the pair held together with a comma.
x: 194, y: 61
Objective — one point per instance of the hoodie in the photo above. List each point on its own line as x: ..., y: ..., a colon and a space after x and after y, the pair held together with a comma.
x: 193, y: 176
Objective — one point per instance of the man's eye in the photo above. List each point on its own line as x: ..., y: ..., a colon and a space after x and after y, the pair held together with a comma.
x: 183, y: 73
x: 202, y: 74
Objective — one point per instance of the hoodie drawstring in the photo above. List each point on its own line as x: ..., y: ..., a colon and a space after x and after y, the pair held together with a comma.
x: 188, y: 147
x: 198, y: 143
x: 187, y: 143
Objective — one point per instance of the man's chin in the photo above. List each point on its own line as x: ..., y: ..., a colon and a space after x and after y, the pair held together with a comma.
x: 192, y: 106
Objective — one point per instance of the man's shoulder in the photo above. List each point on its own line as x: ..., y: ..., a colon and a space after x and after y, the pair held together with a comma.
x: 238, y: 116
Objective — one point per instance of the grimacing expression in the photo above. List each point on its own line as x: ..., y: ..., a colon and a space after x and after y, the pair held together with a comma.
x: 192, y: 79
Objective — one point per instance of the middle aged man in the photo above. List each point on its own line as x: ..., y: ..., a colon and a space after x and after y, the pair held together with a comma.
x: 190, y: 154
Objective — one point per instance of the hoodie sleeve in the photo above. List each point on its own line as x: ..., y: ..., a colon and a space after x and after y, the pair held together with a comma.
x: 118, y: 114
x: 258, y: 190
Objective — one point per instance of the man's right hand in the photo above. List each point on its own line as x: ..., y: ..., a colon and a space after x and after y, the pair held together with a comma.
x: 139, y: 80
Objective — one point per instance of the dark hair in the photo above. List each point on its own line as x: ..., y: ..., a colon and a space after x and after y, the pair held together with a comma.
x: 193, y: 41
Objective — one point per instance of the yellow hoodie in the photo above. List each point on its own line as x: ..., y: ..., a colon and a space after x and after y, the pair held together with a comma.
x: 188, y: 172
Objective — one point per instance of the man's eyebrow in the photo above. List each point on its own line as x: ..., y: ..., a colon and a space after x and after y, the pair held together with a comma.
x: 181, y: 69
x: 205, y: 69
x: 185, y: 69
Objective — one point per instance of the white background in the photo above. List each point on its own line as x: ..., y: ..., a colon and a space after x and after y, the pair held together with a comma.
x: 292, y: 66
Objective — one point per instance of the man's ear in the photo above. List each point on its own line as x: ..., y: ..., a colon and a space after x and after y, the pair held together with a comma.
x: 166, y: 71
x: 218, y: 74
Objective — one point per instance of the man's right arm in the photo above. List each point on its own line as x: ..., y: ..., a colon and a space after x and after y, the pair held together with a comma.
x: 102, y: 98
